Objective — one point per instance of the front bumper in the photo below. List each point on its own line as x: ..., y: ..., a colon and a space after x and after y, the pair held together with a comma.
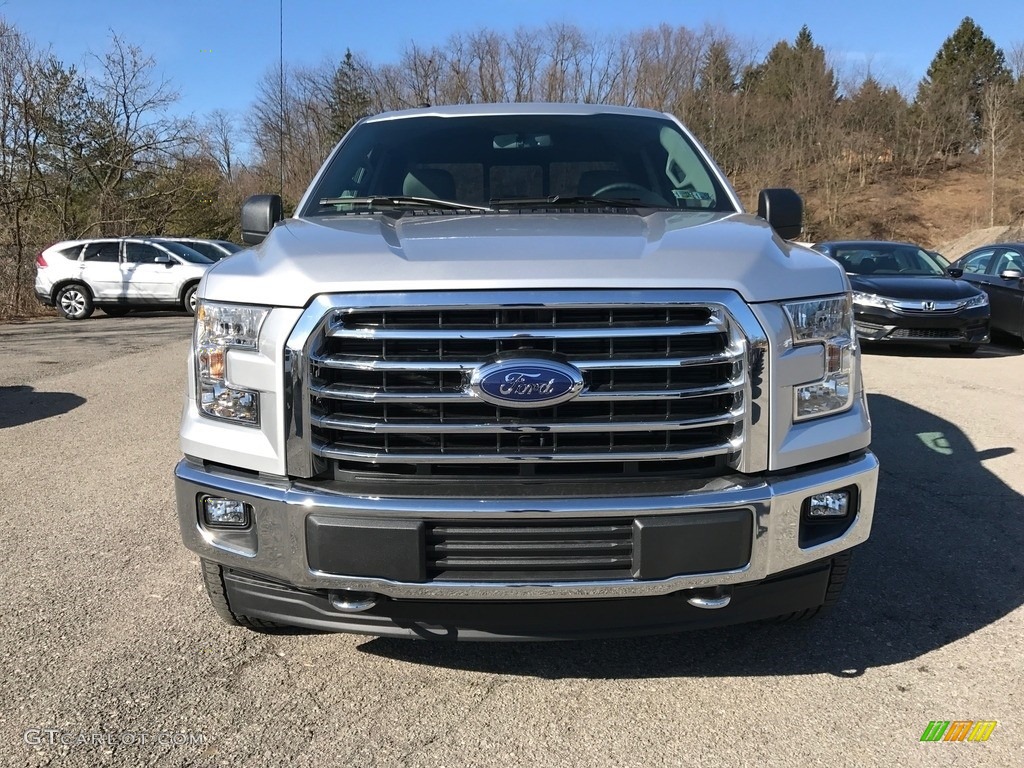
x: 277, y: 548
x: 968, y: 326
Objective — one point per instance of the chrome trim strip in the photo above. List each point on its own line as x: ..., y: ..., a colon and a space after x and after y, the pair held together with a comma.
x: 426, y: 428
x: 523, y: 333
x: 747, y: 337
x: 333, y: 392
x: 447, y: 366
x: 395, y: 457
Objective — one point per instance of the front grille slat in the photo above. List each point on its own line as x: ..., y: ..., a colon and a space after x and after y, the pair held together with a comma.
x: 664, y: 391
x: 518, y: 333
x: 356, y: 364
x: 443, y: 425
x: 530, y: 551
x: 435, y: 396
x: 331, y: 451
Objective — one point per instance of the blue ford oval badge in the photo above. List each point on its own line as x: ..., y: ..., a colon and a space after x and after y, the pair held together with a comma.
x: 526, y: 383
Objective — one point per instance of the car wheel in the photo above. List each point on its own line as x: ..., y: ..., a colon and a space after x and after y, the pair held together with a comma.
x: 74, y: 302
x: 189, y: 299
x: 213, y: 579
x: 964, y: 349
x: 116, y: 311
x: 836, y: 582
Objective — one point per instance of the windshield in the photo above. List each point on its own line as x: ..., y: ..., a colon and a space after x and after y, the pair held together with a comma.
x: 524, y: 160
x: 886, y: 259
x: 185, y: 253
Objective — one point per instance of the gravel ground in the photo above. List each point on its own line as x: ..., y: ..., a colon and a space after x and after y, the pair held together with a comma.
x: 106, y: 636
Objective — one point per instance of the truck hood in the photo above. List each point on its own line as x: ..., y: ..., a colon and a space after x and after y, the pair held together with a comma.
x: 358, y: 253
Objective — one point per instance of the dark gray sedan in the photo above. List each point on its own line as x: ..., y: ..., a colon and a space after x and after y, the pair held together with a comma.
x: 903, y: 293
x: 999, y: 271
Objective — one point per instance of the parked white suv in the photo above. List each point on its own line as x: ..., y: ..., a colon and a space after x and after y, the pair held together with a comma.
x: 117, y: 275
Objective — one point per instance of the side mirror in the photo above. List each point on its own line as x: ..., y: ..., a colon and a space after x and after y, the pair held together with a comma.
x: 1011, y: 274
x: 259, y: 215
x: 955, y: 272
x: 783, y: 209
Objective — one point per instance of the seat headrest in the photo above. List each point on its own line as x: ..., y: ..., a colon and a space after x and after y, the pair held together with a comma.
x: 429, y: 182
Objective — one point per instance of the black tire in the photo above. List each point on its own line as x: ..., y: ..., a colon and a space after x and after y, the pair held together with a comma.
x: 188, y: 299
x: 74, y: 302
x: 115, y: 311
x: 213, y: 578
x: 836, y: 582
x: 964, y: 349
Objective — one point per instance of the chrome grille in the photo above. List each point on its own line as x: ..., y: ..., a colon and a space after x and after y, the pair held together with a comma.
x: 665, y: 390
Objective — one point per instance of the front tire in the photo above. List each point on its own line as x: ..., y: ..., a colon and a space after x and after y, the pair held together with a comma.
x: 188, y: 301
x: 74, y: 302
x: 836, y: 581
x: 213, y: 579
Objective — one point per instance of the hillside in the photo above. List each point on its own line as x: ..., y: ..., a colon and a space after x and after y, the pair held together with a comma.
x: 946, y: 210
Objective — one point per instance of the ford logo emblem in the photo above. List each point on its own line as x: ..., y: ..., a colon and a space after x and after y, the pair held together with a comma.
x: 526, y: 383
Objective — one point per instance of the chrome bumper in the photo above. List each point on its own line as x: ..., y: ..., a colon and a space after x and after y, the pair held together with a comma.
x: 276, y: 547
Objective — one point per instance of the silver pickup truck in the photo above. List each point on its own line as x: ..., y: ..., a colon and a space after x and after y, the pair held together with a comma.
x: 523, y: 371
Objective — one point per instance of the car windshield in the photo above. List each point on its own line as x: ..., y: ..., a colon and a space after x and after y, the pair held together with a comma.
x: 518, y: 160
x: 886, y: 259
x: 185, y: 253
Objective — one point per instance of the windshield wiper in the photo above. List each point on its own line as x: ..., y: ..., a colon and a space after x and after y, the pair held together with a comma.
x: 399, y: 200
x: 571, y: 200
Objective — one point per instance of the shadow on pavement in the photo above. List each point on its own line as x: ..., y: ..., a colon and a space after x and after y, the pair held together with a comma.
x: 23, y: 405
x: 943, y: 561
x: 1001, y: 346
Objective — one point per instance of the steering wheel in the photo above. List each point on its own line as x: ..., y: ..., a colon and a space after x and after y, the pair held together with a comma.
x: 625, y: 186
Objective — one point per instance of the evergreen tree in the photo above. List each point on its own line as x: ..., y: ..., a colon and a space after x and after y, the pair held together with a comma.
x: 951, y: 95
x: 350, y: 97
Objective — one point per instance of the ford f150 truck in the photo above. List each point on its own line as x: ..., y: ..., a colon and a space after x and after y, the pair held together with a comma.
x: 523, y: 371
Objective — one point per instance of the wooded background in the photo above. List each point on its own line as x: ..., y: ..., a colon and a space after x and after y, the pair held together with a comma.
x: 106, y: 154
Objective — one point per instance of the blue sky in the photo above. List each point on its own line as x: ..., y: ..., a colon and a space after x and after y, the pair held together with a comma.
x: 214, y: 51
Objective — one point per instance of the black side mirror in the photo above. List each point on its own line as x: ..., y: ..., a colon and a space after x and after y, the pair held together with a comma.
x: 259, y: 215
x: 955, y: 272
x: 783, y: 209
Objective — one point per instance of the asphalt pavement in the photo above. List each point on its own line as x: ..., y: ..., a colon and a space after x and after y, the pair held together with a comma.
x: 110, y: 654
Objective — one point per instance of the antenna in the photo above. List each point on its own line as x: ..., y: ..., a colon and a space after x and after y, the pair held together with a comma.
x: 280, y: 146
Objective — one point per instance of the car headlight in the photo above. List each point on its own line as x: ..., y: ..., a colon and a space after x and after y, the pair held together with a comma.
x: 827, y: 321
x: 220, y: 327
x: 980, y: 300
x: 869, y: 300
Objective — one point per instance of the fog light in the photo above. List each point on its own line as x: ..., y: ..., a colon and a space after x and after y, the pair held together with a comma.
x: 225, y: 513
x: 828, y: 506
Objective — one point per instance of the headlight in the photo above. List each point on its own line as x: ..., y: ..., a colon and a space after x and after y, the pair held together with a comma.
x: 977, y: 301
x: 220, y: 327
x: 827, y: 321
x: 869, y: 300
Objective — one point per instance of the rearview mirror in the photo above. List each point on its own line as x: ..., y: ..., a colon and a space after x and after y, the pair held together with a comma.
x: 259, y: 215
x: 1011, y: 274
x: 955, y: 272
x: 783, y: 209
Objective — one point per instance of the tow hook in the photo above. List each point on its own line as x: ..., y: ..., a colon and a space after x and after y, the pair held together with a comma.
x: 348, y: 601
x: 710, y: 599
